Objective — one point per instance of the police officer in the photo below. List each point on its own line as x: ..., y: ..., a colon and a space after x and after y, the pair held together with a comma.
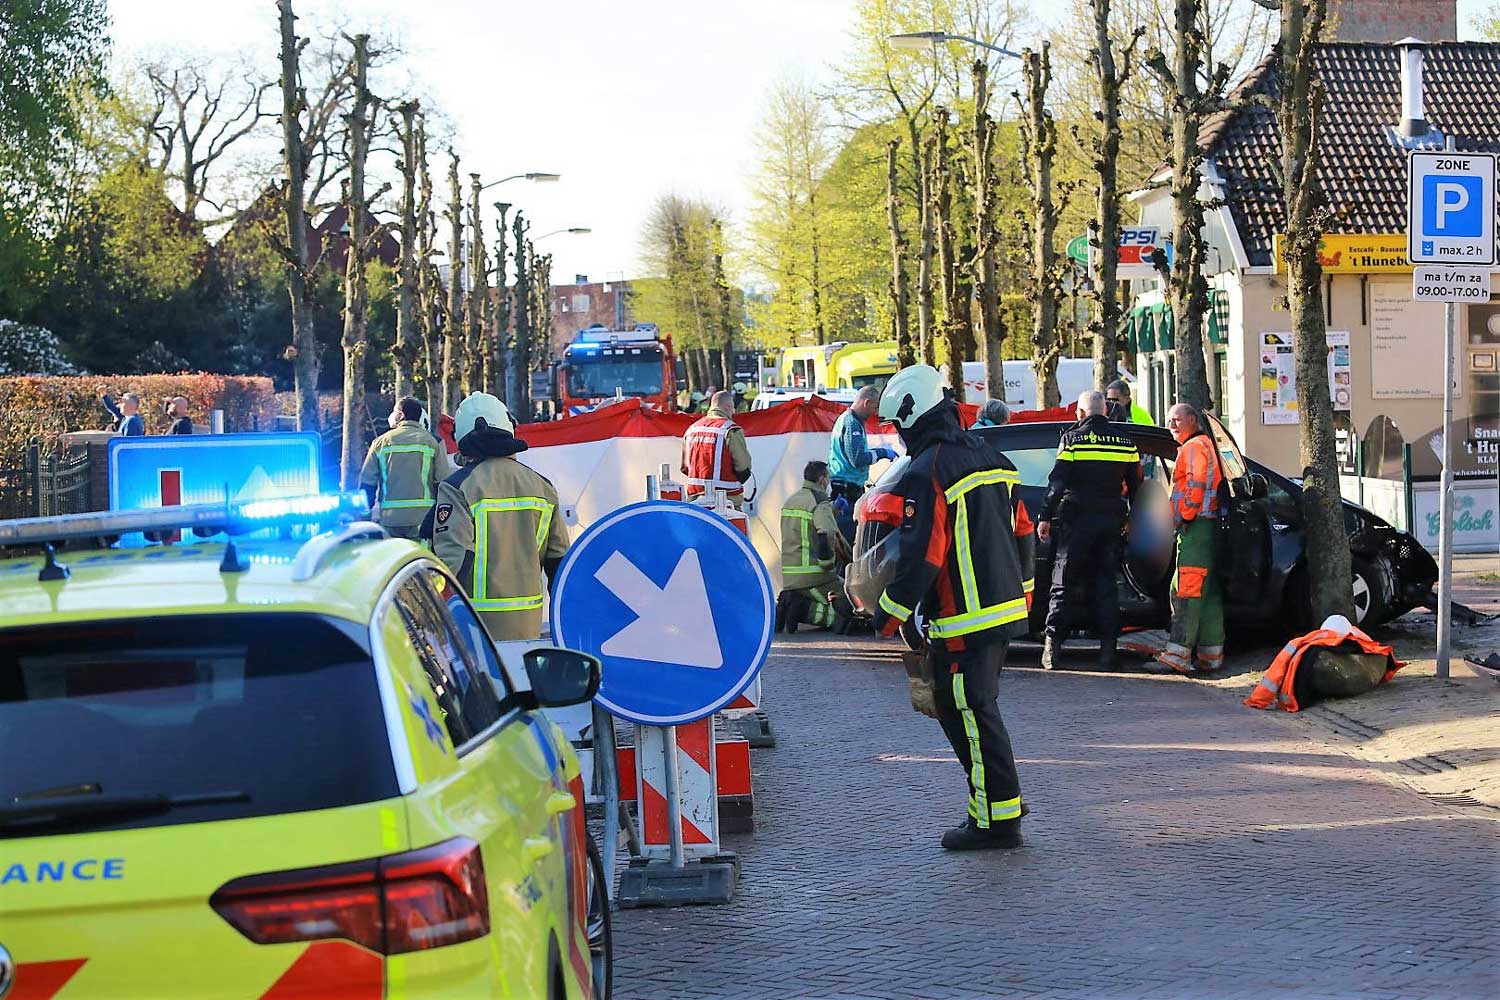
x: 714, y: 453
x: 1092, y: 484
x: 956, y: 564
x: 496, y: 523
x: 811, y: 549
x: 402, y: 471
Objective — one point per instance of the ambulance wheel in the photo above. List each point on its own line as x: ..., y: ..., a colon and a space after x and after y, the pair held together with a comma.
x: 600, y: 932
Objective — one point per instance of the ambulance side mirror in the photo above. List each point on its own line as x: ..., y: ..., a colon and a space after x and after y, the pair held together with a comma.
x: 561, y: 677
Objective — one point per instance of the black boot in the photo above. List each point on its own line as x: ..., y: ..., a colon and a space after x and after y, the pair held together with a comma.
x: 1049, y: 652
x: 783, y: 603
x: 1107, y: 658
x: 969, y: 837
x: 797, y: 606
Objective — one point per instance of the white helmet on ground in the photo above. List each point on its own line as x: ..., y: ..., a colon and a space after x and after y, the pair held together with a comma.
x: 479, y: 406
x: 910, y: 395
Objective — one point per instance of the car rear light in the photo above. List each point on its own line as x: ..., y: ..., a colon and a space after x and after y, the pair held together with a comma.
x: 883, y: 507
x: 413, y: 901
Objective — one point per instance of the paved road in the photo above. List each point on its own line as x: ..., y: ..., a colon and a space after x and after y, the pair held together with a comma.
x: 1179, y: 846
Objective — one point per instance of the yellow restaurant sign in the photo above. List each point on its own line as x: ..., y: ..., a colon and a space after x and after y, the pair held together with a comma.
x: 1352, y: 253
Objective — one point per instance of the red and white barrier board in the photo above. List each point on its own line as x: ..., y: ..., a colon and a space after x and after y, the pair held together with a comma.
x: 697, y: 784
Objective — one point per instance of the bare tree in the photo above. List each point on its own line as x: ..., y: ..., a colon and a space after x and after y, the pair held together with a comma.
x: 956, y: 315
x: 541, y: 321
x: 1113, y: 64
x: 429, y: 287
x: 986, y: 235
x: 926, y: 296
x: 522, y: 321
x: 356, y: 289
x: 476, y: 320
x: 453, y: 315
x: 900, y: 283
x: 500, y: 371
x: 726, y: 306
x: 1038, y: 149
x: 303, y: 351
x: 1299, y: 115
x: 408, y: 351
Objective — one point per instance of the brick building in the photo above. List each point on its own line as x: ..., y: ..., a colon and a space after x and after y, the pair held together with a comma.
x: 584, y: 303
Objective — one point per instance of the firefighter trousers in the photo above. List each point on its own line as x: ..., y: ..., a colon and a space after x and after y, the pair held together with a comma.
x: 1197, y: 599
x: 1086, y: 558
x: 965, y: 688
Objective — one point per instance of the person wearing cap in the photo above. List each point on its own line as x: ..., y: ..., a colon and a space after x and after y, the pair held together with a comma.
x: 714, y: 453
x: 958, y: 571
x: 401, y: 470
x: 496, y: 523
x: 849, y: 453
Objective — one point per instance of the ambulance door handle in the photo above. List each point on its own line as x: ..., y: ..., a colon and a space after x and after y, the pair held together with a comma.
x: 560, y: 802
x: 534, y: 849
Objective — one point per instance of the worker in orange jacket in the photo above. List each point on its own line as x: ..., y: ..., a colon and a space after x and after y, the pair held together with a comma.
x: 1197, y: 592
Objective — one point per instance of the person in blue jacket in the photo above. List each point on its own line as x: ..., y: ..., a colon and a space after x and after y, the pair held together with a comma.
x: 849, y: 453
x: 127, y: 414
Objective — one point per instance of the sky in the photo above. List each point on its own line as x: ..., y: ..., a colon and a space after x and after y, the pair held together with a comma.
x: 627, y: 99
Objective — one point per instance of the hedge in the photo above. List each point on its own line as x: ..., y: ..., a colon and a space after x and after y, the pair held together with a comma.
x: 49, y: 406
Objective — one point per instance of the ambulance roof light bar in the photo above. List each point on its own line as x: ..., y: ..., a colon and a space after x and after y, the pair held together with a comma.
x: 235, y: 517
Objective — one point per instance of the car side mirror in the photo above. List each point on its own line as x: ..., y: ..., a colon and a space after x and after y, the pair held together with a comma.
x: 561, y: 677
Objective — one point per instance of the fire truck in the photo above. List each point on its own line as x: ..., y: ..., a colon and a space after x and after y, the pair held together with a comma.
x: 601, y: 365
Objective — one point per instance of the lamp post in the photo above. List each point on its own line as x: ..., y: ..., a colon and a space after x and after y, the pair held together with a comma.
x: 535, y: 176
x: 923, y: 41
x: 572, y: 231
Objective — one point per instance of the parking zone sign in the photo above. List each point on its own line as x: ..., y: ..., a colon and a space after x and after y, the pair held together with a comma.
x: 1451, y: 208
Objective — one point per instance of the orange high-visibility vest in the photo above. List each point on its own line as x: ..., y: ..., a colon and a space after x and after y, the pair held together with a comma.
x: 1276, y: 687
x: 709, y: 465
x: 1195, y: 480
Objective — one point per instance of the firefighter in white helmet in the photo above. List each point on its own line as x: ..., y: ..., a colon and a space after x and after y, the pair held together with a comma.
x: 496, y: 523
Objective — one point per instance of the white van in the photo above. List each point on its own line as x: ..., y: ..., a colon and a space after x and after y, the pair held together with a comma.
x: 1074, y: 375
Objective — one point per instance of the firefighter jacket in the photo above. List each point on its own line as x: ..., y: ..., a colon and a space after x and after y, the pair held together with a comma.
x: 497, y: 526
x: 811, y: 543
x: 956, y: 555
x: 1098, y: 470
x: 402, y: 465
x: 1195, y: 480
x: 715, y: 456
x: 1276, y: 687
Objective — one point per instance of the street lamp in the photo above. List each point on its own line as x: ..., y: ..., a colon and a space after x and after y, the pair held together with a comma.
x: 574, y: 231
x: 924, y: 41
x: 540, y: 178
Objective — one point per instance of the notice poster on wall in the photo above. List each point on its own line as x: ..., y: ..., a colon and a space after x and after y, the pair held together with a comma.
x: 1278, y: 376
x: 1406, y: 344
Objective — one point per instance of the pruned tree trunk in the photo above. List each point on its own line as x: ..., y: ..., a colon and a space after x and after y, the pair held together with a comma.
x: 926, y: 296
x: 303, y: 350
x: 408, y: 350
x: 1112, y: 75
x: 1299, y: 115
x: 521, y: 306
x: 906, y: 354
x: 429, y: 289
x: 499, y: 380
x: 1039, y: 147
x: 453, y: 318
x: 986, y: 235
x: 476, y: 303
x: 820, y: 326
x: 541, y: 321
x: 356, y: 290
x: 726, y: 306
x: 955, y: 296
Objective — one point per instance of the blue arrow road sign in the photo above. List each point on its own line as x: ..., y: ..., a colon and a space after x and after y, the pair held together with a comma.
x: 676, y: 605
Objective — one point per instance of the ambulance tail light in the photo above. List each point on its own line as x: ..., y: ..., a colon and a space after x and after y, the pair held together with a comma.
x: 882, y: 507
x: 400, y: 903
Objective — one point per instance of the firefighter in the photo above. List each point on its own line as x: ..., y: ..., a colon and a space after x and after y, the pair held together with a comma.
x: 714, y: 453
x: 1197, y: 591
x: 496, y: 523
x: 1089, y: 493
x: 958, y: 571
x: 402, y: 471
x: 812, y: 547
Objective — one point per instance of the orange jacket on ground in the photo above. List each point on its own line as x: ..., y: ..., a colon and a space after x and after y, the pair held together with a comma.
x: 1276, y: 687
x: 1195, y: 480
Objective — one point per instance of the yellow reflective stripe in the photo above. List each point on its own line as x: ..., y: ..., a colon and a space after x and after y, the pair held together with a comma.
x: 1097, y: 453
x: 383, y: 455
x: 976, y: 479
x: 804, y: 552
x: 965, y: 555
x: 1028, y: 585
x: 481, y: 511
x: 890, y: 607
x: 983, y: 618
x: 979, y: 800
x: 1006, y: 809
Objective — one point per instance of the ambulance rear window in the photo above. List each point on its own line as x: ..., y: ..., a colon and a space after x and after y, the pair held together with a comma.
x: 283, y: 709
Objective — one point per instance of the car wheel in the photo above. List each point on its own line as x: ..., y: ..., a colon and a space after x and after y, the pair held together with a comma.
x: 1374, y: 590
x: 600, y: 932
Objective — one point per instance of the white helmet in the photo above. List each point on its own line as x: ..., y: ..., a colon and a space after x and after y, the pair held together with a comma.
x: 911, y: 394
x: 479, y: 406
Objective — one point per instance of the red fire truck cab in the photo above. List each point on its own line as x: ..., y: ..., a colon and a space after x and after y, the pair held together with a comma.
x: 601, y: 365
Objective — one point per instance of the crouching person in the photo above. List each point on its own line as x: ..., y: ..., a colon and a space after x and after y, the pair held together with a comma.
x: 811, y: 549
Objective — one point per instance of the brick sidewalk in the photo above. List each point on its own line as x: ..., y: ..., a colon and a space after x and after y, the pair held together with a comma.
x: 1180, y: 846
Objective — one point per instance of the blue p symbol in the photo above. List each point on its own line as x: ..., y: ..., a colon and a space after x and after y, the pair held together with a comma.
x: 1451, y: 206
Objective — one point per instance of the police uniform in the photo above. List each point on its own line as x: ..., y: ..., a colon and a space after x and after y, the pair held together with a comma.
x: 402, y: 467
x: 957, y: 565
x: 497, y: 525
x: 1094, y: 480
x: 811, y: 545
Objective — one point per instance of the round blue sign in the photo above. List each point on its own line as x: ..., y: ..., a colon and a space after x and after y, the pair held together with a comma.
x: 676, y: 605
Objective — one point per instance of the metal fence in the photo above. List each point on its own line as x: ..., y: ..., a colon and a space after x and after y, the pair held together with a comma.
x: 46, y: 483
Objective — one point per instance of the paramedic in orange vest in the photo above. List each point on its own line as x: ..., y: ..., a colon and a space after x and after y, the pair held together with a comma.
x: 1197, y: 590
x: 714, y: 453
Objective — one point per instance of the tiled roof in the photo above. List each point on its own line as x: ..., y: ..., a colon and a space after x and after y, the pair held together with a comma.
x: 1363, y: 169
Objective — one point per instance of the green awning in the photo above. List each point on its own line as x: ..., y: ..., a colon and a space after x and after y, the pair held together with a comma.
x: 1218, y: 316
x: 1165, y: 326
x: 1145, y: 331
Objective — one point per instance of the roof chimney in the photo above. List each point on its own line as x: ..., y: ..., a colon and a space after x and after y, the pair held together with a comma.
x: 1413, y: 119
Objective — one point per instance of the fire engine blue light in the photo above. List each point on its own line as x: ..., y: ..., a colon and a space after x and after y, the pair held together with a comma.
x: 299, y: 510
